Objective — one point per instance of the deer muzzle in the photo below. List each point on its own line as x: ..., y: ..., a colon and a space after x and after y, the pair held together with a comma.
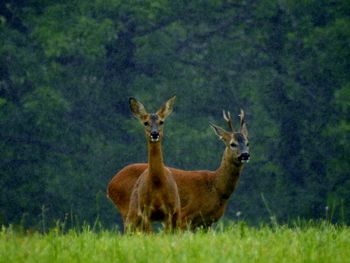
x: 244, y: 157
x: 154, y: 136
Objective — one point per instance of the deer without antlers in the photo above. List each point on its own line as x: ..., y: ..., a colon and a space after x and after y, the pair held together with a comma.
x: 154, y: 196
x: 203, y: 194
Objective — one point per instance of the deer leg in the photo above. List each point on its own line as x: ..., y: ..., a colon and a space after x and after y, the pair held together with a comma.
x: 134, y: 220
x: 168, y: 227
x: 176, y: 220
x: 146, y: 225
x: 185, y: 221
x: 131, y: 222
x: 172, y: 222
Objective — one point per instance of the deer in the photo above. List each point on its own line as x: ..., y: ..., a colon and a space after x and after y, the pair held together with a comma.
x: 203, y: 194
x: 155, y: 195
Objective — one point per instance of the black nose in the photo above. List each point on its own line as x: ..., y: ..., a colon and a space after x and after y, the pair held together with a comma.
x: 244, y: 156
x: 154, y: 134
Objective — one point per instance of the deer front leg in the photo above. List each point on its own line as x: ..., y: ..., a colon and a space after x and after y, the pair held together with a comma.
x: 145, y: 225
x: 172, y: 222
x: 168, y: 224
x: 132, y: 222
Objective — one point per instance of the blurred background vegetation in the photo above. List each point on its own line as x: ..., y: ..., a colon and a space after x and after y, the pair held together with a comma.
x: 67, y: 69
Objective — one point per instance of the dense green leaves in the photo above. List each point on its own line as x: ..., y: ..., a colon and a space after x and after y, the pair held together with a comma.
x: 68, y: 68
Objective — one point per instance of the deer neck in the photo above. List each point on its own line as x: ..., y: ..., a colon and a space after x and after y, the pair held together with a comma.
x: 227, y: 174
x: 155, y: 161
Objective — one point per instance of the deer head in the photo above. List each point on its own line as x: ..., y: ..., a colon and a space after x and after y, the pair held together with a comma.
x: 236, y: 142
x: 153, y: 122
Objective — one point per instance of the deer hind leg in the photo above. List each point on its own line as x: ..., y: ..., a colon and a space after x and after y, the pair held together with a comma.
x: 185, y: 221
x: 176, y: 220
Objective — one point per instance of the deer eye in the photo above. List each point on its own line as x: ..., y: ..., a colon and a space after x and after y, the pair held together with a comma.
x: 233, y: 145
x: 161, y: 122
x: 247, y: 144
x: 146, y: 123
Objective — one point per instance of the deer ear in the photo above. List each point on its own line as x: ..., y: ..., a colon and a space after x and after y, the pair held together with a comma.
x: 221, y: 133
x: 137, y: 108
x: 167, y: 108
x: 244, y: 129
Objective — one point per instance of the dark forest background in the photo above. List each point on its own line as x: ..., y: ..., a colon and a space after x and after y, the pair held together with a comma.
x: 67, y: 69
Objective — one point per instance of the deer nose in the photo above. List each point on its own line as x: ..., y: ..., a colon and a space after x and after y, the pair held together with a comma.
x: 244, y: 157
x: 155, y: 135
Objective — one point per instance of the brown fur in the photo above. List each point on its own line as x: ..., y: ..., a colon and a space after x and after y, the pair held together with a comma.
x: 155, y: 195
x: 203, y: 194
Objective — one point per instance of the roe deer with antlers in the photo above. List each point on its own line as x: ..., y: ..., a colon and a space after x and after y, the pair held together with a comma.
x: 155, y: 195
x: 203, y: 194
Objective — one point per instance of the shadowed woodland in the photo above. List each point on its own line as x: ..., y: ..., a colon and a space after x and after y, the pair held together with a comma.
x: 67, y: 70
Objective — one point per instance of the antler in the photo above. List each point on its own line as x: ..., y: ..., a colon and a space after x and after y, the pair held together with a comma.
x: 228, y: 119
x: 243, y: 127
x: 242, y: 117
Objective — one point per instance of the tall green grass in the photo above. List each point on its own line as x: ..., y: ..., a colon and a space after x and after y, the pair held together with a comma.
x: 320, y: 242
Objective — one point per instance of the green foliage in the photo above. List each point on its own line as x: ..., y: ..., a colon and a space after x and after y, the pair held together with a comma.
x: 68, y: 68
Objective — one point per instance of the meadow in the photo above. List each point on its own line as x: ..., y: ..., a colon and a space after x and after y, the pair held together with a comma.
x: 311, y: 242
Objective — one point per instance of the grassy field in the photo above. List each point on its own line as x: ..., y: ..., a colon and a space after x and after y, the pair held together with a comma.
x: 320, y: 242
